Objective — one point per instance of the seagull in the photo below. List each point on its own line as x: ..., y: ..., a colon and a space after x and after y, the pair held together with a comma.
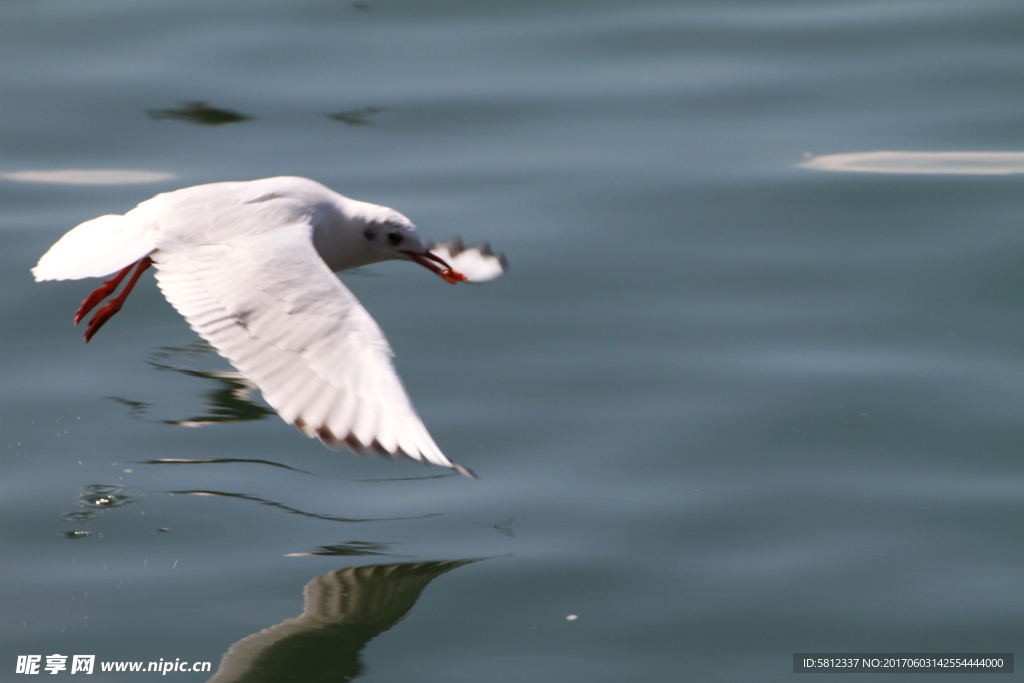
x: 250, y: 265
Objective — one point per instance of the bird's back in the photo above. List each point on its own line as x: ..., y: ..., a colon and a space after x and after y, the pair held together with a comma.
x: 214, y: 213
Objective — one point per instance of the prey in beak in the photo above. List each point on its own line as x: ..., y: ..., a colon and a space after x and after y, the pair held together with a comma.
x: 425, y: 259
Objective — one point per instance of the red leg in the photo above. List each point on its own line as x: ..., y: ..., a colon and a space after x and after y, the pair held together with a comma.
x: 100, y: 293
x: 114, y: 305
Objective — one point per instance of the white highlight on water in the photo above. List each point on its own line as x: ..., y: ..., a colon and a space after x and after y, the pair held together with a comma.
x: 89, y: 176
x: 928, y: 163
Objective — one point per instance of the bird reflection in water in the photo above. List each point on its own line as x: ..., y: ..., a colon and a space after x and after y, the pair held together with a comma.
x: 229, y: 401
x: 348, y: 549
x: 295, y: 511
x: 344, y: 610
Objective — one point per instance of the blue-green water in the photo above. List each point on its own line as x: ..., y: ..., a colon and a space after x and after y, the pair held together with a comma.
x: 724, y: 407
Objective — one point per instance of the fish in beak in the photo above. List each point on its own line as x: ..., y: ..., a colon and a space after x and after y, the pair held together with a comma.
x: 430, y: 261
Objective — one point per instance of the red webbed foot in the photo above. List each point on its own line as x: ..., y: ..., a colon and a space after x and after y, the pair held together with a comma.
x: 114, y: 305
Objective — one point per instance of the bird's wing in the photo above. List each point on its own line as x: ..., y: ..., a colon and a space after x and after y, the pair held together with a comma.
x: 272, y: 307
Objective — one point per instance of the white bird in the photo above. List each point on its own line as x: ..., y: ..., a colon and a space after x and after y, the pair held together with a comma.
x: 248, y: 264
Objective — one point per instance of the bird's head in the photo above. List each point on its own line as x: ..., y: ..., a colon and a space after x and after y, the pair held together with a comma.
x: 388, y: 235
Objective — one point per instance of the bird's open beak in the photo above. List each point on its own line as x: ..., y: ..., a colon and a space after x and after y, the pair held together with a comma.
x: 446, y: 273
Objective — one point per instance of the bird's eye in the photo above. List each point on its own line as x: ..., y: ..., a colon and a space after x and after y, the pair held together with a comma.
x: 369, y: 234
x: 394, y: 237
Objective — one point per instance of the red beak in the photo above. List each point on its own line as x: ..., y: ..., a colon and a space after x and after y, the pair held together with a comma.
x: 449, y: 275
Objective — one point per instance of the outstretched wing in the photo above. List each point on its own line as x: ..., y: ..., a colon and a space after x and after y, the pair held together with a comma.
x: 272, y: 307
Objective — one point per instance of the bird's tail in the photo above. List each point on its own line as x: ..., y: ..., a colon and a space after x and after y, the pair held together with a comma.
x: 98, y: 247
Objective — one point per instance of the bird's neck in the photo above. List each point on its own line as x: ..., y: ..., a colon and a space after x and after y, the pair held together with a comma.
x: 342, y: 246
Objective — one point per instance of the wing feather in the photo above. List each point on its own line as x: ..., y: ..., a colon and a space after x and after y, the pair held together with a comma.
x: 269, y: 304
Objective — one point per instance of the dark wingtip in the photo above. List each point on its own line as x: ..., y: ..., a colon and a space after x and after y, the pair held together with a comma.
x: 465, y: 471
x: 335, y: 442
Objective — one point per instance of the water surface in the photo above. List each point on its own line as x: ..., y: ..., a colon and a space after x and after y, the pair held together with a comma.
x: 725, y: 407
